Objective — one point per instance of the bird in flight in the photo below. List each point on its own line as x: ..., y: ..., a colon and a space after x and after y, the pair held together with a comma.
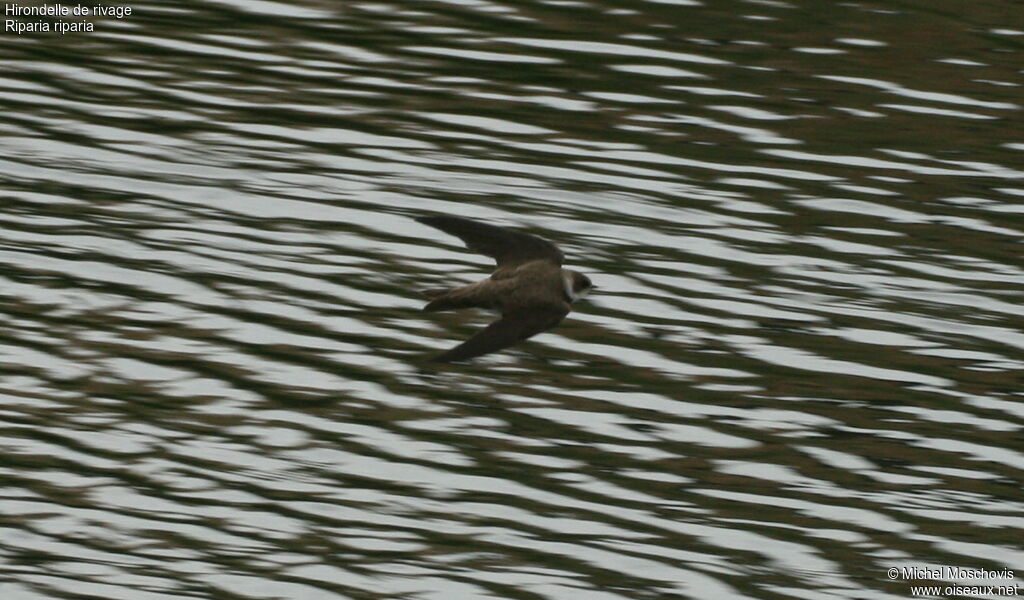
x: 529, y: 288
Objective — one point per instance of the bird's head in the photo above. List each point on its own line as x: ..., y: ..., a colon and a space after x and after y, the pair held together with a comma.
x: 577, y: 285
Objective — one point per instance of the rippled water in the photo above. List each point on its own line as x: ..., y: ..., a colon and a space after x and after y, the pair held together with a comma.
x: 804, y: 368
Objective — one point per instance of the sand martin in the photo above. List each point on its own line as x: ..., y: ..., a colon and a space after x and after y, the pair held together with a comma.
x: 529, y: 288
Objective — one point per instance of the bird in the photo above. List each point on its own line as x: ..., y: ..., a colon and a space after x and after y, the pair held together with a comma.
x: 529, y: 287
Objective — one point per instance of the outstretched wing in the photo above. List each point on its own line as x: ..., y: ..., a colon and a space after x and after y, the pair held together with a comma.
x: 511, y: 328
x: 506, y: 247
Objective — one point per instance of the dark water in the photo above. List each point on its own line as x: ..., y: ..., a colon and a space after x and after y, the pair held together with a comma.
x: 804, y: 368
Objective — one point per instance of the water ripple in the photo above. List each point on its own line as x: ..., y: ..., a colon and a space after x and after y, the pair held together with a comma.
x: 801, y: 368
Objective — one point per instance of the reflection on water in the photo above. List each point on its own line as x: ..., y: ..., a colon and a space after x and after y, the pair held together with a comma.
x: 804, y: 367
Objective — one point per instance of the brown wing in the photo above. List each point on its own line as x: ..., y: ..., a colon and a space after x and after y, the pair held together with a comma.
x: 511, y: 328
x: 506, y: 247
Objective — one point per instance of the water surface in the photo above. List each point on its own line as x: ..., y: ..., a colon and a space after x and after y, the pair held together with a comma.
x: 803, y: 368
